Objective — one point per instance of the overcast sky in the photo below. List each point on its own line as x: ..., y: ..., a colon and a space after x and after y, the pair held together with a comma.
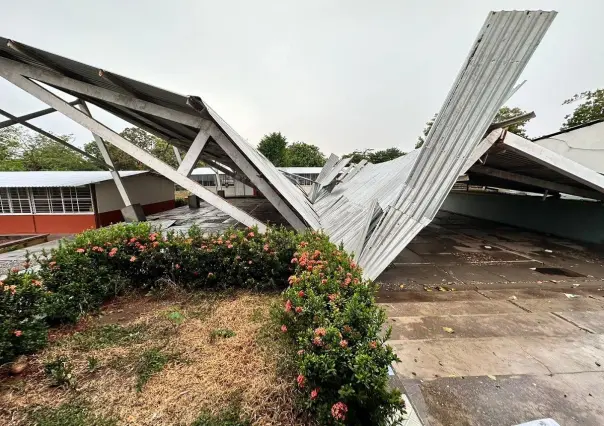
x: 343, y: 75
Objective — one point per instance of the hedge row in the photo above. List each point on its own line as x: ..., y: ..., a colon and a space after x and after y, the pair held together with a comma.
x: 328, y: 314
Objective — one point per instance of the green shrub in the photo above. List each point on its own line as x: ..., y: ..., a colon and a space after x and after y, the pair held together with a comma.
x: 330, y: 316
x: 23, y: 325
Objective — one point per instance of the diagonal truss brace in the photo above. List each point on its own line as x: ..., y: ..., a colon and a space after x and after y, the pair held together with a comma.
x: 100, y: 143
x: 141, y: 155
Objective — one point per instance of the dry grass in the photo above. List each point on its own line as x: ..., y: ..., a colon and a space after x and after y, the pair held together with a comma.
x: 200, y: 372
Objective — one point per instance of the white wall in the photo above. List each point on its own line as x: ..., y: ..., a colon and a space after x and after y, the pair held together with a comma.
x: 584, y: 145
x: 143, y: 189
x: 575, y: 219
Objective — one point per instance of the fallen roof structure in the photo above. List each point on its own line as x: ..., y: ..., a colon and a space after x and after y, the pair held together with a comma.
x: 373, y: 209
x: 583, y: 143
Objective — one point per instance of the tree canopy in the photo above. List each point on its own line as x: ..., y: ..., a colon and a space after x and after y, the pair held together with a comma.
x: 504, y: 113
x: 122, y: 161
x: 22, y: 149
x: 281, y: 153
x: 590, y: 108
x: 374, y: 157
x: 273, y: 147
x: 300, y: 154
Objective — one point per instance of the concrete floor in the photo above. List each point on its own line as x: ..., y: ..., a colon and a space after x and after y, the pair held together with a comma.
x: 484, y: 338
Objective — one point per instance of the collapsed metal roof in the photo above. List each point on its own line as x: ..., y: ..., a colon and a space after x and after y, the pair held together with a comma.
x: 373, y: 209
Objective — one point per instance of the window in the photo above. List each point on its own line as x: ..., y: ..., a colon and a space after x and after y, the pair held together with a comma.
x: 45, y: 200
x: 62, y: 200
x: 4, y: 203
x: 207, y: 180
x: 226, y: 180
x: 14, y: 200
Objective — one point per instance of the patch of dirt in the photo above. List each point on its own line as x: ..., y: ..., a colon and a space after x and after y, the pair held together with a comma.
x: 202, y: 374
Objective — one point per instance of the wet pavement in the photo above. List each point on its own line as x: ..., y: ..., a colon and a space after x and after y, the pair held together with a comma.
x: 497, y: 326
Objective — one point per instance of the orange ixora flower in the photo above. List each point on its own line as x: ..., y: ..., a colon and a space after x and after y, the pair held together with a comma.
x: 339, y: 410
x: 344, y: 343
x: 301, y: 379
x: 80, y: 250
x: 314, y: 393
x: 284, y: 328
x: 320, y: 331
x: 17, y: 333
x: 288, y: 306
x: 251, y: 234
x: 133, y: 259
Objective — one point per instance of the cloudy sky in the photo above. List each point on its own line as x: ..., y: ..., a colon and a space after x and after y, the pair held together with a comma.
x: 343, y: 75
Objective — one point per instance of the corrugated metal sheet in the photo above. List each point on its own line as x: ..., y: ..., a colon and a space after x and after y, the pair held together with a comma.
x: 57, y: 178
x: 502, y: 49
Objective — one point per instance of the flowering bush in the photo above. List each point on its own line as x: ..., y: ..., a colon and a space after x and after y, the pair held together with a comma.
x: 23, y: 326
x: 328, y: 313
x: 330, y: 316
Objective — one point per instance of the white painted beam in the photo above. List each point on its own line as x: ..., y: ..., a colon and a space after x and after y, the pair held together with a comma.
x: 92, y: 91
x: 100, y: 143
x: 141, y: 155
x: 482, y: 148
x: 177, y: 155
x: 555, y: 161
x: 253, y: 175
x: 192, y: 156
x: 536, y: 182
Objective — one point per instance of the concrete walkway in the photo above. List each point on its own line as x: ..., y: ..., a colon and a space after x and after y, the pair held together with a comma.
x: 497, y: 326
x: 534, y: 355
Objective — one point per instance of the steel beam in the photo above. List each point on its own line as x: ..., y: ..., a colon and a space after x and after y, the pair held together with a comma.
x: 482, y: 148
x: 224, y: 169
x: 91, y: 91
x: 43, y: 132
x: 32, y: 115
x: 100, y: 143
x: 129, y: 148
x: 177, y: 155
x: 187, y: 164
x: 536, y: 182
x: 555, y: 161
x: 258, y: 180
